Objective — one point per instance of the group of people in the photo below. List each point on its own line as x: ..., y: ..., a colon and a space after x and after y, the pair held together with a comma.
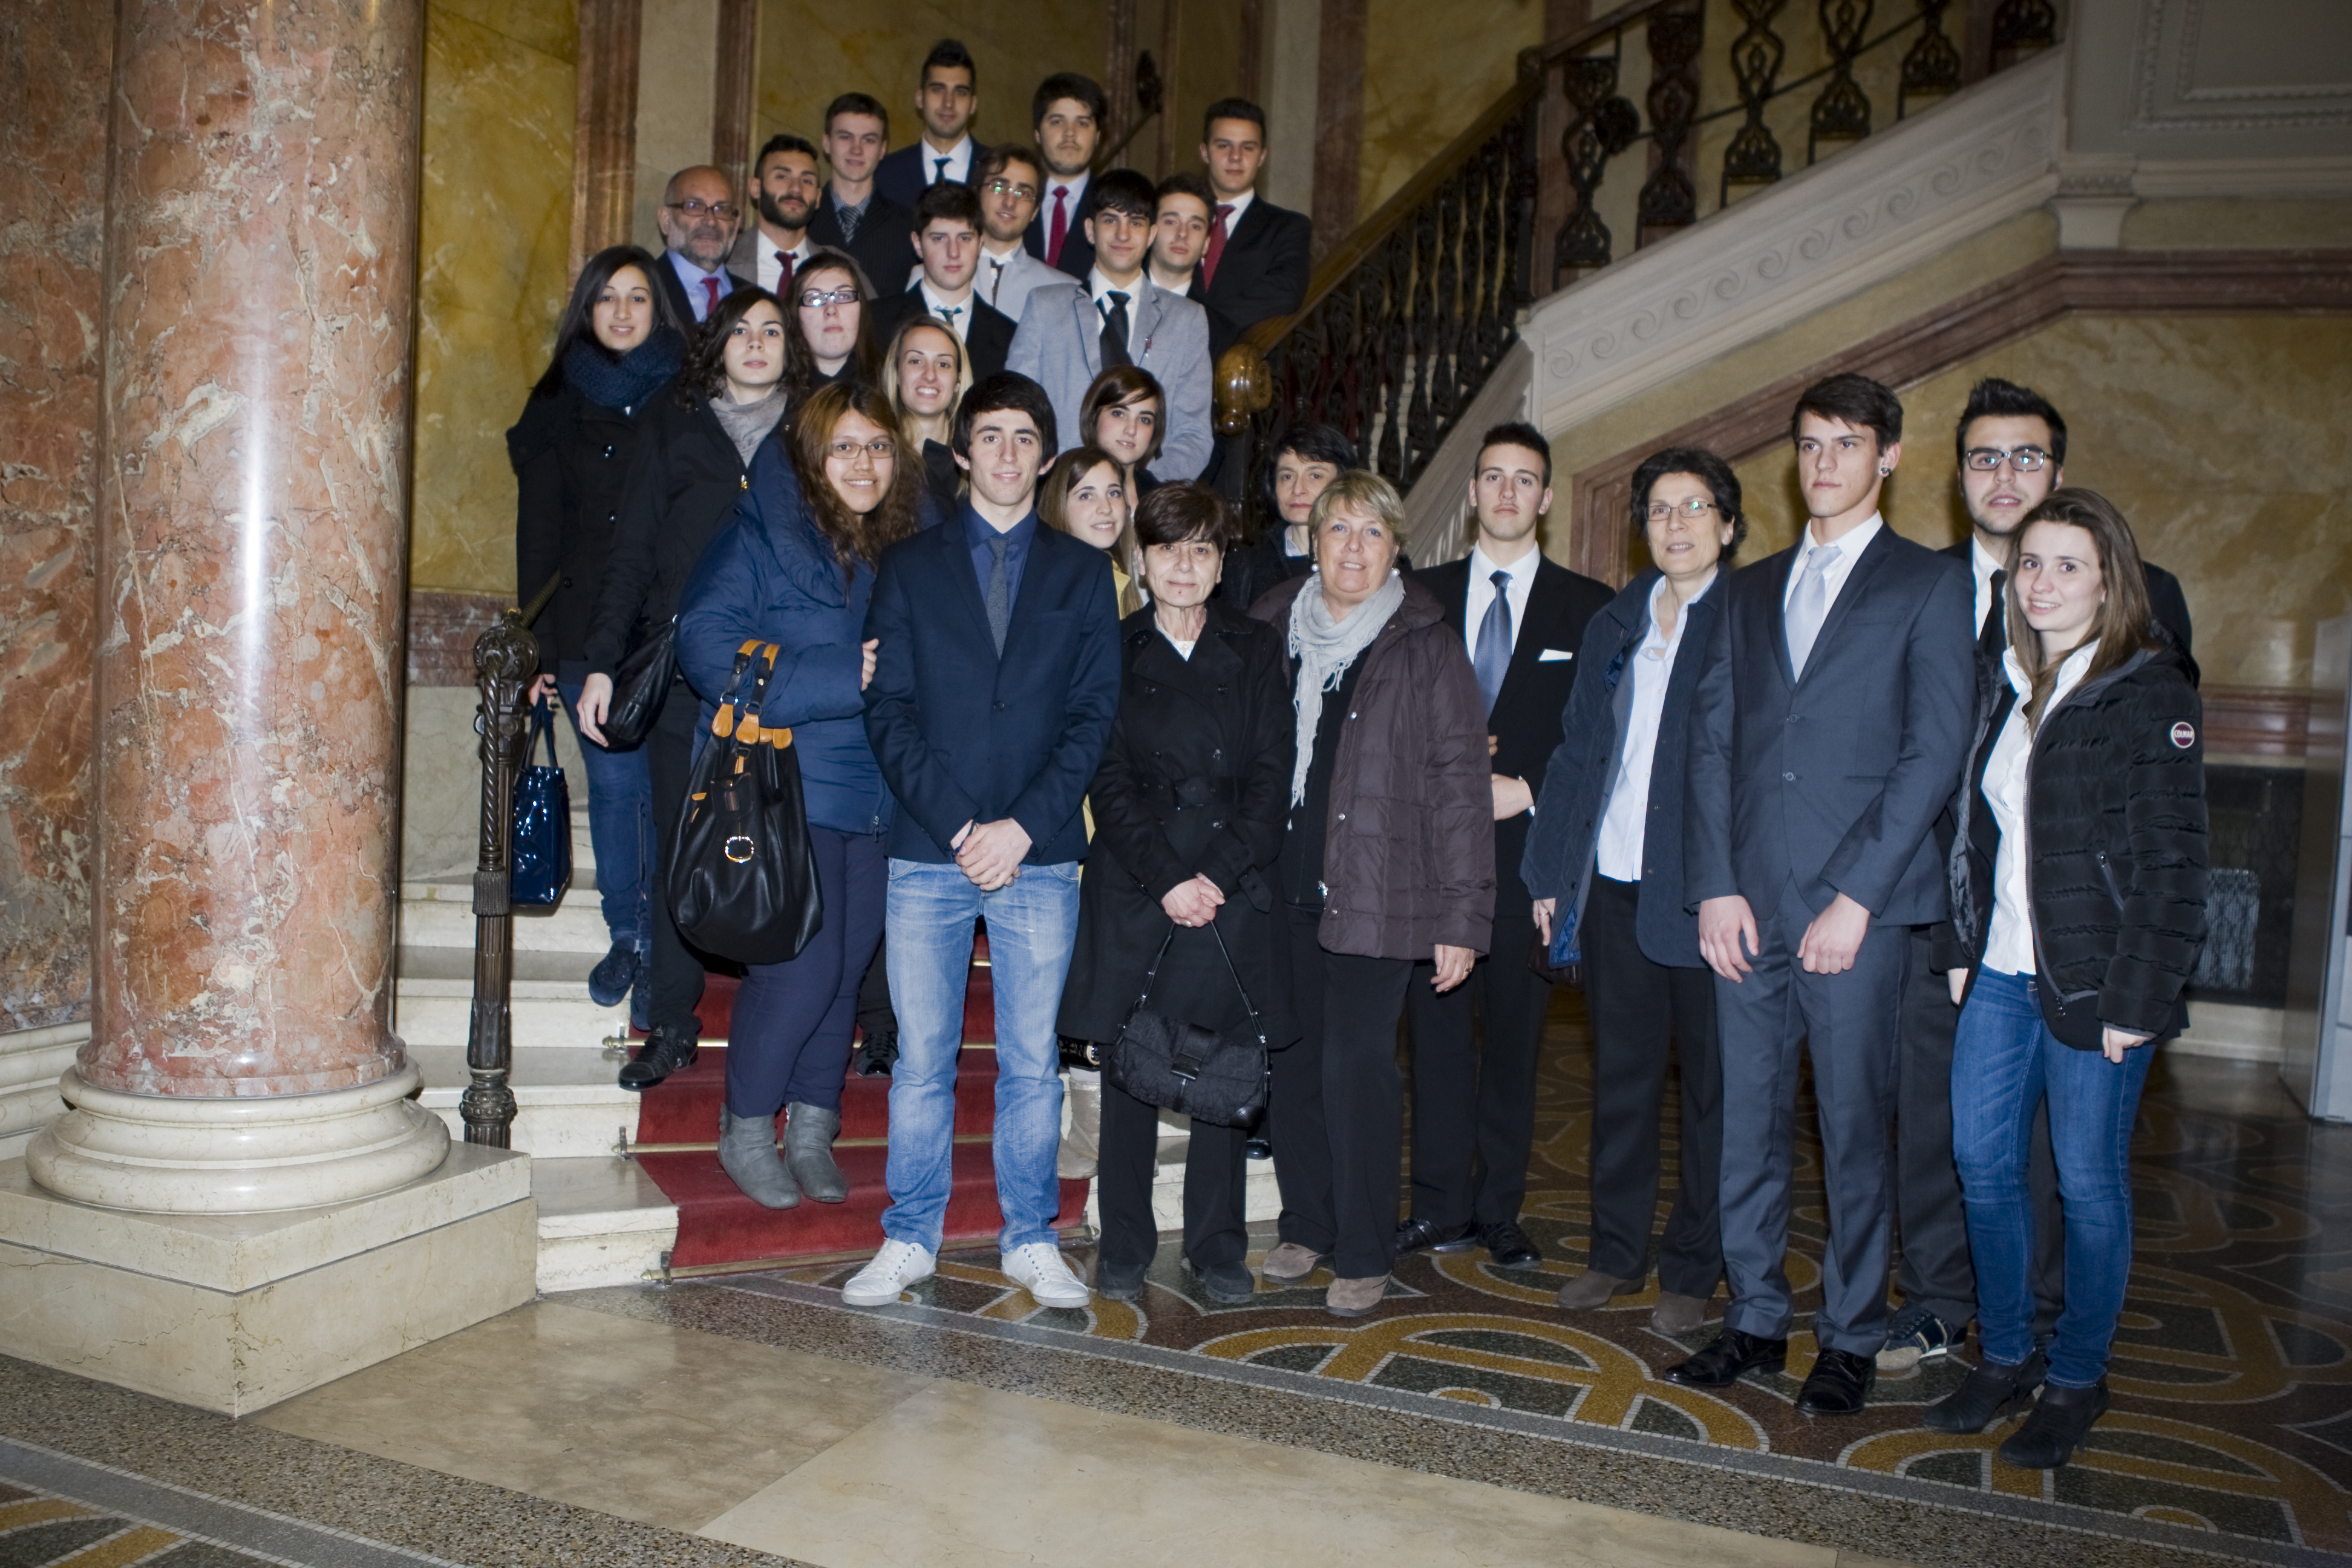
x: 1789, y: 810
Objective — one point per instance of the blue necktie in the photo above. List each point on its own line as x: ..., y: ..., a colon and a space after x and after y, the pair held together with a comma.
x: 1493, y: 659
x: 999, y: 596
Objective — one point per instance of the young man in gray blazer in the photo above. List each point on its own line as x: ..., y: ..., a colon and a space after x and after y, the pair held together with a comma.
x: 1070, y: 332
x: 1827, y: 734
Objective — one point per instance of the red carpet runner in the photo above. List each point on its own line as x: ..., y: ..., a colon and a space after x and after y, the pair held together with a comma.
x: 717, y: 1224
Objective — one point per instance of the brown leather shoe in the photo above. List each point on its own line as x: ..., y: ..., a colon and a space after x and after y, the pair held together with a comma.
x: 1290, y: 1263
x: 1592, y: 1289
x: 1355, y: 1297
x: 1678, y: 1315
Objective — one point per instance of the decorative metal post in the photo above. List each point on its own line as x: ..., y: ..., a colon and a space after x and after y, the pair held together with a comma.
x: 1754, y: 156
x: 1668, y: 200
x: 1605, y: 125
x: 1931, y: 66
x: 506, y: 657
x: 1842, y: 113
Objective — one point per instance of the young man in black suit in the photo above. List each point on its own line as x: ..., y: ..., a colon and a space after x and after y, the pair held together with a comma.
x: 1827, y: 734
x: 947, y: 97
x: 946, y: 244
x: 1522, y: 618
x: 1066, y: 112
x: 1257, y: 260
x: 2011, y: 450
x: 698, y: 220
x: 853, y: 216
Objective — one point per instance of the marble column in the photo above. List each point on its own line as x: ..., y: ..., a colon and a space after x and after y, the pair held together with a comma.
x: 257, y: 330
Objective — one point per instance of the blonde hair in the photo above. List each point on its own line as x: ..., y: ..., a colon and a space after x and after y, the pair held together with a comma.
x: 901, y: 416
x: 1360, y: 489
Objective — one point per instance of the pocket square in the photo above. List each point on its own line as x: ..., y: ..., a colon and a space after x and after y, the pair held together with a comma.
x: 1555, y: 656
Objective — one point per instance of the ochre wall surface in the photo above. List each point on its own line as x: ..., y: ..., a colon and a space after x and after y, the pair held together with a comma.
x: 494, y: 237
x: 1429, y: 72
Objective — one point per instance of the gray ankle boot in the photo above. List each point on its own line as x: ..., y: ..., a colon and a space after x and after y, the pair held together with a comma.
x: 747, y: 1153
x: 809, y: 1132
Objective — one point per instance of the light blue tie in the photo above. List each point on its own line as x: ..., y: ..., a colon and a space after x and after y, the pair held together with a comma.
x: 1809, y: 607
x: 1493, y: 659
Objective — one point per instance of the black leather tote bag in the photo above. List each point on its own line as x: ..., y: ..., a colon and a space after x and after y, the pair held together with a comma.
x: 742, y: 880
x: 1207, y: 1074
x: 640, y: 682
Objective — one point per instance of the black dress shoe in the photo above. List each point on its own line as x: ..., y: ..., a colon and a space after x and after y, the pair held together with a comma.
x: 1226, y: 1283
x: 1733, y: 1352
x: 665, y: 1052
x: 1120, y: 1282
x: 1508, y: 1246
x: 1990, y: 1391
x: 1421, y: 1236
x: 2062, y: 1418
x: 1840, y: 1384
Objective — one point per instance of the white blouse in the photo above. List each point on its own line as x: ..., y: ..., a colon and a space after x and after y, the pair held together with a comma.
x: 2008, y: 938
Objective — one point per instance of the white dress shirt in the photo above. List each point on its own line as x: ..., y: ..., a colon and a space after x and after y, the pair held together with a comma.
x: 1240, y: 204
x: 1098, y: 289
x: 772, y: 271
x: 959, y: 159
x: 938, y: 305
x: 1983, y: 566
x: 1849, y: 547
x: 1077, y: 185
x: 1618, y: 854
x: 2008, y: 935
x: 1482, y: 593
x: 692, y: 277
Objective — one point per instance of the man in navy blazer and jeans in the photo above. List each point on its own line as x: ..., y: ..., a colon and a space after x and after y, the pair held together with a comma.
x: 1826, y: 734
x: 995, y: 681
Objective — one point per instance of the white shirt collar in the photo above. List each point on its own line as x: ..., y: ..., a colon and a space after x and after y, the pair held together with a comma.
x: 1098, y: 289
x: 958, y: 156
x: 1849, y: 545
x: 938, y: 305
x: 2070, y: 672
x: 687, y: 272
x: 1483, y: 566
x: 1076, y: 184
x: 1240, y: 204
x: 1981, y: 560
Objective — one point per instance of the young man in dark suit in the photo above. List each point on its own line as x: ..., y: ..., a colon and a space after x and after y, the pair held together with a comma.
x: 1826, y: 736
x: 785, y: 189
x: 946, y: 244
x: 698, y: 221
x: 1257, y: 261
x: 1522, y: 618
x: 947, y: 97
x: 853, y: 216
x: 996, y: 677
x: 1066, y: 112
x: 2011, y: 450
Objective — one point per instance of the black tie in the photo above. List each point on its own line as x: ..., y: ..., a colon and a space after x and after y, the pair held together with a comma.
x: 940, y: 169
x: 1993, y: 635
x: 1114, y: 332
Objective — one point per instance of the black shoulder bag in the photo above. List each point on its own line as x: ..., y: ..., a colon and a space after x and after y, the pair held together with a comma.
x: 1208, y: 1074
x: 742, y: 878
x: 640, y: 682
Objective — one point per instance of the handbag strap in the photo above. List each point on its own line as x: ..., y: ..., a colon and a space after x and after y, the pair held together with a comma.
x: 542, y: 727
x: 1248, y: 1006
x: 1151, y: 974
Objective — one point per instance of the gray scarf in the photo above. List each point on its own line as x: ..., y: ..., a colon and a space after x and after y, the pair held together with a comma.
x: 748, y: 423
x: 1325, y: 648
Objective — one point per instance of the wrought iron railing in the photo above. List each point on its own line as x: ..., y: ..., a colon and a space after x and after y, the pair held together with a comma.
x: 1405, y: 319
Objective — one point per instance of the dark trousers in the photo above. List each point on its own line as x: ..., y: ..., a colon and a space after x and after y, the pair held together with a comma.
x: 1847, y: 1025
x: 790, y: 1041
x: 670, y: 759
x: 1933, y: 1269
x: 1474, y: 1101
x: 1335, y: 1109
x: 1640, y: 1011
x: 1215, y: 1232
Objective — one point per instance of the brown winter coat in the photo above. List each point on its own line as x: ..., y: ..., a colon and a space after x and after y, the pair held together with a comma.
x: 1409, y: 853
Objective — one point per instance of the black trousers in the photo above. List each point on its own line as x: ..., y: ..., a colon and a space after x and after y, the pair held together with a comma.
x: 1335, y: 1109
x: 1639, y: 1010
x: 1473, y: 1100
x: 1215, y: 1232
x: 1934, y: 1271
x: 669, y: 760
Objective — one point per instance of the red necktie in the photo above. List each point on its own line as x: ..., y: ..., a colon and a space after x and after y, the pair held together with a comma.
x: 1216, y: 245
x: 711, y: 288
x: 1060, y: 230
x: 784, y: 280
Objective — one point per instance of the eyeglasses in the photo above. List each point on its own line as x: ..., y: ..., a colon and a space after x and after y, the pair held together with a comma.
x: 2024, y: 459
x: 818, y: 299
x: 877, y: 449
x: 693, y: 208
x: 1007, y: 188
x: 1689, y: 511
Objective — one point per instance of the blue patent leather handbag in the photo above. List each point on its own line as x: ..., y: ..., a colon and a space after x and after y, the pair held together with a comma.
x: 542, y: 820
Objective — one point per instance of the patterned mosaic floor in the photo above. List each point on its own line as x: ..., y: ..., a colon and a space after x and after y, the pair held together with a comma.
x: 2232, y: 1373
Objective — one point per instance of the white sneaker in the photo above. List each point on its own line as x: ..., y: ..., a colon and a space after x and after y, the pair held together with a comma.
x: 1039, y: 1269
x: 898, y: 1264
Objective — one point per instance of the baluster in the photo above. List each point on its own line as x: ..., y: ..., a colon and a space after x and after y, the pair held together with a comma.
x: 1456, y: 258
x: 1526, y: 153
x: 1396, y: 346
x: 1424, y: 334
x: 1605, y: 125
x: 1753, y: 158
x: 2021, y: 27
x: 1842, y: 113
x: 1931, y: 66
x: 1668, y: 200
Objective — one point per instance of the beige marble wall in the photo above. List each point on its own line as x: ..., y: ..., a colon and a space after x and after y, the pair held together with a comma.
x: 494, y: 232
x: 1429, y: 71
x: 2222, y: 439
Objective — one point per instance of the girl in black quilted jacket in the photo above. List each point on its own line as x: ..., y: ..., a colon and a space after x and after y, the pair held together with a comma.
x: 2078, y: 894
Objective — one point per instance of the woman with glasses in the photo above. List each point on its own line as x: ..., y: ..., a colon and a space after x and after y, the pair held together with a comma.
x: 1124, y: 412
x: 829, y: 295
x: 616, y: 347
x: 924, y: 373
x: 1604, y: 859
x: 796, y: 569
x: 694, y: 459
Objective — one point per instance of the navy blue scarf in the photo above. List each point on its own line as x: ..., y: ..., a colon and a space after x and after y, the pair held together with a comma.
x: 623, y: 381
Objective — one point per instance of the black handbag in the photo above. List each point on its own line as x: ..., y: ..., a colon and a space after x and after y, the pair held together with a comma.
x: 742, y: 879
x: 640, y: 682
x: 540, y: 867
x: 1207, y: 1074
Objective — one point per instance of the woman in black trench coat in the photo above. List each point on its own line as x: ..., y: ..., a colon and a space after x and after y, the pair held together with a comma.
x: 1189, y: 805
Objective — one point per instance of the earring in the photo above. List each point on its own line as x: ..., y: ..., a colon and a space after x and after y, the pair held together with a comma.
x: 1884, y: 471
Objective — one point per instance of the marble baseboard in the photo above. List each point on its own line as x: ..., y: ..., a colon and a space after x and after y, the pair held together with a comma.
x: 2233, y: 1033
x: 234, y: 1313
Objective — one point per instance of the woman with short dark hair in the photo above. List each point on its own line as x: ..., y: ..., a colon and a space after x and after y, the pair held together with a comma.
x: 1188, y: 806
x: 1305, y: 458
x: 1604, y: 859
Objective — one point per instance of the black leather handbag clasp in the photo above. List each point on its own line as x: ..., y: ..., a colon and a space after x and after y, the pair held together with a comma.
x: 1209, y: 1075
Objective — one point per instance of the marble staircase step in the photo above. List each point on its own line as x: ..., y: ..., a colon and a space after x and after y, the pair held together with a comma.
x: 601, y: 1221
x: 545, y: 1013
x: 568, y: 1101
x: 440, y: 913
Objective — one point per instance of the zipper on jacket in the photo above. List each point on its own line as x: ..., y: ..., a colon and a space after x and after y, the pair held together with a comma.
x: 2033, y: 750
x: 2114, y: 889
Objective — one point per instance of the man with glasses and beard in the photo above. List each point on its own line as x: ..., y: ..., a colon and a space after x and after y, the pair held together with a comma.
x: 784, y: 190
x: 698, y: 221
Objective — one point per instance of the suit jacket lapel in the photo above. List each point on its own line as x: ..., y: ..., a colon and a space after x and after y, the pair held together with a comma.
x: 963, y: 582
x: 1534, y: 633
x: 1777, y: 607
x: 1857, y: 583
x: 1246, y: 231
x: 1089, y: 328
x: 1148, y: 308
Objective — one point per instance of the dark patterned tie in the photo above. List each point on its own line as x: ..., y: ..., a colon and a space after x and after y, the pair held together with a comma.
x: 999, y: 596
x: 1114, y: 332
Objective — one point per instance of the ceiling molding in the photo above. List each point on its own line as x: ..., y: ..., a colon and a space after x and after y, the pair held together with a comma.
x: 2166, y: 97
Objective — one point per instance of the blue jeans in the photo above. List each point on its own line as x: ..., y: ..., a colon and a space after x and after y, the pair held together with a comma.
x: 1031, y: 922
x: 620, y: 824
x: 789, y: 1042
x: 2005, y: 1060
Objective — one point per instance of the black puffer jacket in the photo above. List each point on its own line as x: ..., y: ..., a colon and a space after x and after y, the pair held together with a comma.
x: 2116, y: 822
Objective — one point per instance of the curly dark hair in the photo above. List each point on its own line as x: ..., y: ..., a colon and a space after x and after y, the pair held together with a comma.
x: 854, y: 539
x: 1707, y: 470
x: 704, y: 373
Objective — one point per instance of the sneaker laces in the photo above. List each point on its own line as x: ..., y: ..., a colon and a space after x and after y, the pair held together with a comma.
x: 893, y: 1258
x: 1042, y: 1259
x: 1909, y: 1321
